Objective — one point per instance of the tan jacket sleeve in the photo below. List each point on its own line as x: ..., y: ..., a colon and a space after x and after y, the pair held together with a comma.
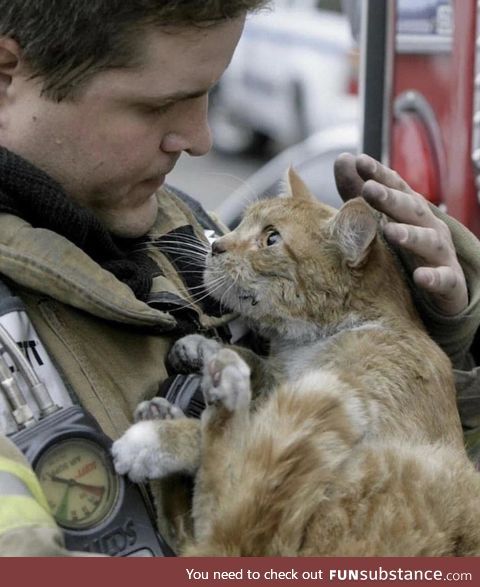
x: 455, y: 333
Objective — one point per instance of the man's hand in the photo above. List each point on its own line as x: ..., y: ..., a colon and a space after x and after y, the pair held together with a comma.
x: 417, y: 229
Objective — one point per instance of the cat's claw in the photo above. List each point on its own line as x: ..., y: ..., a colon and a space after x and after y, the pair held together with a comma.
x: 157, y: 408
x: 191, y: 352
x: 226, y: 381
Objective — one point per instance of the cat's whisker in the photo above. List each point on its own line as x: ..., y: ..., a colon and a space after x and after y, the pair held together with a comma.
x: 159, y: 243
x: 193, y: 271
x: 241, y: 181
x: 178, y: 236
x: 188, y: 244
x: 221, y: 303
x: 200, y: 254
x: 181, y: 240
x: 208, y: 286
x: 182, y: 254
x: 208, y: 292
x: 183, y: 248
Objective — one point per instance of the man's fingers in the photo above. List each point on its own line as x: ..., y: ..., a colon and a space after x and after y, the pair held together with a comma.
x: 445, y: 286
x: 369, y: 168
x: 349, y: 183
x: 417, y: 229
x: 437, y: 268
x: 441, y: 280
x: 427, y: 244
x: 408, y: 208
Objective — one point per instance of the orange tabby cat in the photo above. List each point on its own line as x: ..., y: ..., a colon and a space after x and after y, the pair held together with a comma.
x: 352, y: 445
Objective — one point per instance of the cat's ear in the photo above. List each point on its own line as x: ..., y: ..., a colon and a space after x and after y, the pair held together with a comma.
x: 296, y: 186
x: 354, y: 229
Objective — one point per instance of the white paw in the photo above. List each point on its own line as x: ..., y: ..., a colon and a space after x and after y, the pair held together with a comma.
x: 157, y: 408
x: 139, y: 455
x: 226, y: 381
x: 190, y: 352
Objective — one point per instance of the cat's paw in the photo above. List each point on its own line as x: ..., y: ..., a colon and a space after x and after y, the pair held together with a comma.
x: 226, y: 381
x: 157, y: 408
x: 138, y: 453
x: 190, y: 352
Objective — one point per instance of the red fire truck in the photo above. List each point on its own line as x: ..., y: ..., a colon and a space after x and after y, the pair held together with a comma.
x: 422, y: 98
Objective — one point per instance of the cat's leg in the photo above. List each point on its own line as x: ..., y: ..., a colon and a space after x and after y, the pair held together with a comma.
x: 227, y: 392
x: 162, y: 442
x: 263, y: 375
x: 158, y: 408
x: 225, y: 420
x: 190, y: 353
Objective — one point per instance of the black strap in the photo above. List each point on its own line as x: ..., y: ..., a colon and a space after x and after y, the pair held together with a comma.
x: 198, y: 210
x: 184, y: 391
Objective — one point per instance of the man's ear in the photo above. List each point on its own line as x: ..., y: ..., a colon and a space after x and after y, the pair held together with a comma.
x: 354, y: 229
x: 9, y: 60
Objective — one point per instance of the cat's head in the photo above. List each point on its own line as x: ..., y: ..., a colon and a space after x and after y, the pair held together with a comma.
x: 295, y: 265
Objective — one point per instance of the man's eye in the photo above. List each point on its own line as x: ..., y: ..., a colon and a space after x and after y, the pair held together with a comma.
x: 158, y: 110
x: 273, y: 238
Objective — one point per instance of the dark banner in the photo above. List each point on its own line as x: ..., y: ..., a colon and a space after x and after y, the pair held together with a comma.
x: 251, y: 572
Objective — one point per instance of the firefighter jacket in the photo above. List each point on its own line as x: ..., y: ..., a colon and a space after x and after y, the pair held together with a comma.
x: 108, y: 347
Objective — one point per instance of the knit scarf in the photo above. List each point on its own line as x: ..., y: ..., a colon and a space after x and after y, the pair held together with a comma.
x: 31, y: 194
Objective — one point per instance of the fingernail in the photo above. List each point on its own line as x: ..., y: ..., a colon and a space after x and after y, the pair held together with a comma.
x: 376, y: 191
x: 402, y: 233
x: 383, y: 194
x: 396, y: 232
x: 369, y: 164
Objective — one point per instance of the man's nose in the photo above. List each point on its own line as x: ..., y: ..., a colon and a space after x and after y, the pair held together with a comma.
x: 191, y: 132
x: 202, y: 142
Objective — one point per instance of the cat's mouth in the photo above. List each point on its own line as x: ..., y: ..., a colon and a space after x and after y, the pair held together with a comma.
x: 248, y: 298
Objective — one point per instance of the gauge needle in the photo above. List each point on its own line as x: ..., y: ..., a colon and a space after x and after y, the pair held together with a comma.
x: 94, y: 489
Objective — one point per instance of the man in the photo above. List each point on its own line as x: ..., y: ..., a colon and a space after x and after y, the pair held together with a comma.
x: 98, y: 99
x: 103, y: 96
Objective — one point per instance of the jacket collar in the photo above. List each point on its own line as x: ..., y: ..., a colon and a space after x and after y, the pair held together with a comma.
x: 43, y: 261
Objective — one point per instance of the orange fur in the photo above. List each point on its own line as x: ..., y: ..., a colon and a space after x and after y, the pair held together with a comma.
x: 356, y: 449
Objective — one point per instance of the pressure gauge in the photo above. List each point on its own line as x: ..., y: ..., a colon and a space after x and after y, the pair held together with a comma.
x: 98, y: 510
x: 79, y: 482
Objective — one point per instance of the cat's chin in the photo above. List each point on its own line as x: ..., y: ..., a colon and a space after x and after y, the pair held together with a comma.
x: 236, y: 299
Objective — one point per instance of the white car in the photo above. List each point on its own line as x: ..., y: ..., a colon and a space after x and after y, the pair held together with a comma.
x: 294, y: 73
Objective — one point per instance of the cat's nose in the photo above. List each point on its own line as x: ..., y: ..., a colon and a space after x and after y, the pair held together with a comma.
x: 218, y: 247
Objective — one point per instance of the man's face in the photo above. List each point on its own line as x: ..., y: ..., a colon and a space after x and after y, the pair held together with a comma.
x: 112, y: 147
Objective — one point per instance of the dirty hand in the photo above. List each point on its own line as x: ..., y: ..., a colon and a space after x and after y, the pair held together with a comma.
x: 416, y: 230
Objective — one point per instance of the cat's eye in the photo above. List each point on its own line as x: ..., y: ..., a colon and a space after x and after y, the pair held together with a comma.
x: 273, y: 238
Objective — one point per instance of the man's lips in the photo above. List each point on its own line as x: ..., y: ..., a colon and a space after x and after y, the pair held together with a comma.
x: 158, y: 178
x: 154, y: 182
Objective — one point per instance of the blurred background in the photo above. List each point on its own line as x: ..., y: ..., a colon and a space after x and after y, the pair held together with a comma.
x: 289, y: 97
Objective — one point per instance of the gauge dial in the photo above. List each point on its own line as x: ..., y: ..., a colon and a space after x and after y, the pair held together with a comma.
x: 79, y: 482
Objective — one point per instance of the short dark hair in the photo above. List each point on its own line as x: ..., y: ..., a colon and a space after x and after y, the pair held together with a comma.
x: 65, y: 42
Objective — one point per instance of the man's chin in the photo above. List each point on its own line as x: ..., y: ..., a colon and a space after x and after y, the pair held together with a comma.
x: 131, y: 223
